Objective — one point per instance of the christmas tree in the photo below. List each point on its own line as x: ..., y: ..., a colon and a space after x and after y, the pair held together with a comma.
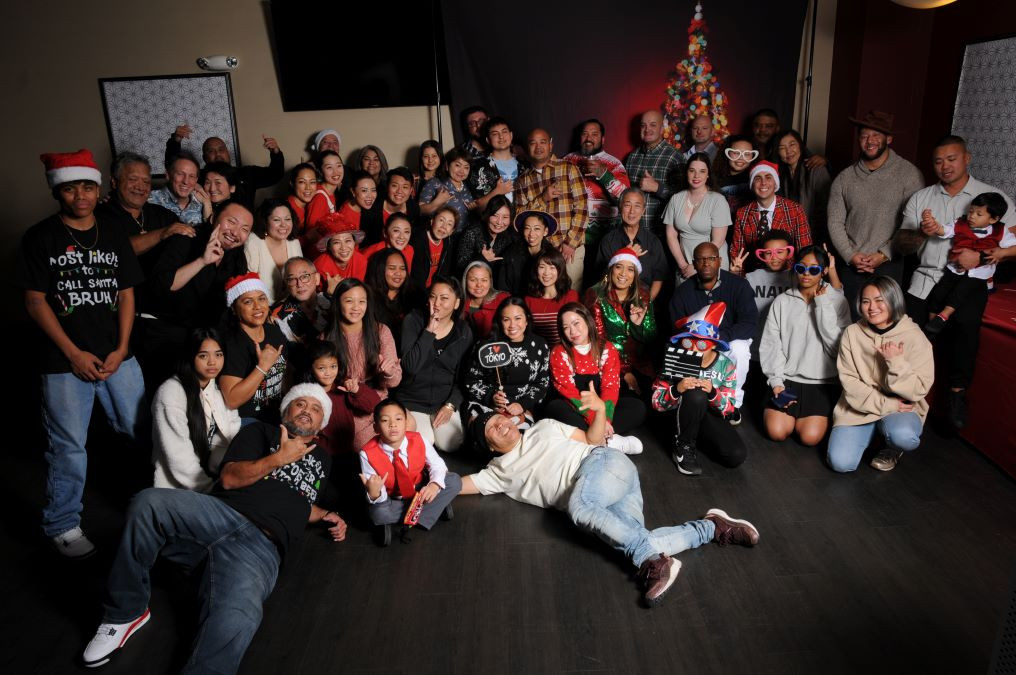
x: 693, y: 90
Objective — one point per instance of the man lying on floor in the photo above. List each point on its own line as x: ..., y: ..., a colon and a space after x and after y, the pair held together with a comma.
x: 236, y: 536
x: 560, y: 466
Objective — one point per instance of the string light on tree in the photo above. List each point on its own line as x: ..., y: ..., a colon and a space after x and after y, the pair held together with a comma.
x: 693, y: 90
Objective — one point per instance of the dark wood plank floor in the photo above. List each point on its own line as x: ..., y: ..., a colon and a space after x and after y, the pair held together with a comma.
x: 900, y: 572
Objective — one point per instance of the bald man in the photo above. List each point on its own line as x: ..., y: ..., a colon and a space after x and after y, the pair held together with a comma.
x: 652, y: 167
x: 555, y: 186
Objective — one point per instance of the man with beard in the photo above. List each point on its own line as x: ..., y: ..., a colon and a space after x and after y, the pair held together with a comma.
x: 605, y: 179
x: 303, y: 314
x: 866, y: 203
x: 249, y: 178
x: 652, y: 168
x: 556, y: 187
x: 236, y: 537
x: 474, y: 121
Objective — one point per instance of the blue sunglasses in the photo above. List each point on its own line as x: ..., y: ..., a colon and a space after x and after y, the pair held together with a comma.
x: 813, y: 270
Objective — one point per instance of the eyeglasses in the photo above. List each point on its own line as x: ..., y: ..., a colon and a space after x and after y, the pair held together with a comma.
x: 707, y: 259
x: 695, y: 345
x: 767, y: 253
x: 299, y: 279
x: 735, y: 155
x: 812, y: 270
x: 475, y: 123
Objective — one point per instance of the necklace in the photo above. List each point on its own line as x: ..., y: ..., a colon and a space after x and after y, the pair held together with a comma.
x: 70, y: 231
x: 140, y: 220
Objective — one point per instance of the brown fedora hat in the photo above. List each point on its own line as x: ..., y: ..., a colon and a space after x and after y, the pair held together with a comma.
x: 877, y: 120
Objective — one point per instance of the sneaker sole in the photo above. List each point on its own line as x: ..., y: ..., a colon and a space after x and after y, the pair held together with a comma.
x: 723, y: 514
x: 135, y: 627
x: 674, y: 570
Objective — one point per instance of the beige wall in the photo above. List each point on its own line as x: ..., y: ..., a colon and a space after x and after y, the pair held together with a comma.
x: 825, y: 30
x: 53, y: 101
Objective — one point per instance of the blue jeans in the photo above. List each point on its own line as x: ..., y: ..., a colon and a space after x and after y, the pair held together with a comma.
x: 607, y: 501
x: 239, y: 565
x: 847, y: 444
x: 66, y: 410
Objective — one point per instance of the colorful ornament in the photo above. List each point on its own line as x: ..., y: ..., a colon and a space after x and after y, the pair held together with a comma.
x: 693, y: 90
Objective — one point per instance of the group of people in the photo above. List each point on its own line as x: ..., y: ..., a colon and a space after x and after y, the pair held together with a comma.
x: 501, y: 299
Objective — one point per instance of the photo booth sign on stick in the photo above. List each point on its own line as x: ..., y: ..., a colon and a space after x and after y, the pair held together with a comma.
x: 494, y: 355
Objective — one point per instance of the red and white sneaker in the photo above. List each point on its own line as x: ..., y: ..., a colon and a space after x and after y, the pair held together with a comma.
x: 110, y: 638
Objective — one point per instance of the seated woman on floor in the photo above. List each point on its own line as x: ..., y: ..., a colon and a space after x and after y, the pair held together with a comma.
x: 798, y: 350
x: 434, y: 342
x: 518, y: 387
x: 584, y: 358
x: 191, y: 425
x: 886, y: 368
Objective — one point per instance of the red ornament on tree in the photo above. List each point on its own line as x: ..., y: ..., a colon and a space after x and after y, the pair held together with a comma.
x: 693, y: 90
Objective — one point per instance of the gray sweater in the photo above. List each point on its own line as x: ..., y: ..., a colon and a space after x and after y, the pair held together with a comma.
x: 800, y: 339
x: 866, y: 207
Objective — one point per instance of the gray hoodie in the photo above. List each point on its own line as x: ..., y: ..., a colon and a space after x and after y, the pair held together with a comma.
x: 800, y: 339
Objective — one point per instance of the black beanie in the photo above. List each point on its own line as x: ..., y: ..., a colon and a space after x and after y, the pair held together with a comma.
x: 477, y: 429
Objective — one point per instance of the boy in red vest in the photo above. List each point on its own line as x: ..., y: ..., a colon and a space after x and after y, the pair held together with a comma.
x: 395, y: 464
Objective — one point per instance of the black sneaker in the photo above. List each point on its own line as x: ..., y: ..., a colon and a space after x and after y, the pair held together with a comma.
x: 734, y: 418
x: 958, y: 408
x: 383, y: 535
x: 934, y: 326
x: 685, y: 458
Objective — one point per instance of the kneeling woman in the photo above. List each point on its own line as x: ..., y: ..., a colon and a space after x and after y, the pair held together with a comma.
x: 584, y: 358
x: 252, y: 378
x: 191, y: 425
x: 798, y: 350
x: 434, y: 342
x: 701, y: 383
x: 519, y: 386
x: 886, y: 368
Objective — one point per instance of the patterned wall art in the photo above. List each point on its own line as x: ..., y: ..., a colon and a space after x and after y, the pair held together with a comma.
x: 985, y: 112
x: 142, y: 112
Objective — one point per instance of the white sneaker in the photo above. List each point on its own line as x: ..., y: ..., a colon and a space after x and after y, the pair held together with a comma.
x: 74, y: 544
x: 109, y: 638
x: 629, y: 445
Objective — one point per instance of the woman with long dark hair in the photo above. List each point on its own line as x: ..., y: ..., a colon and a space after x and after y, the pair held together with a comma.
x: 271, y: 243
x: 584, y: 358
x: 365, y: 351
x: 392, y: 291
x: 489, y: 239
x: 191, y: 424
x: 808, y: 187
x: 549, y: 289
x: 431, y: 165
x: 520, y: 385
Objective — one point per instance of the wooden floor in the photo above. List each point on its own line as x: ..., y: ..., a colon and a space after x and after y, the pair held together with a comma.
x: 904, y: 572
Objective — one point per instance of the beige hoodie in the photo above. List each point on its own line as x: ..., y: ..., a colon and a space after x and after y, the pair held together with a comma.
x: 872, y: 386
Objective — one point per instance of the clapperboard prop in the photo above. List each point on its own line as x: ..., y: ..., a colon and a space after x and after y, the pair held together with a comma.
x: 679, y: 363
x: 494, y: 355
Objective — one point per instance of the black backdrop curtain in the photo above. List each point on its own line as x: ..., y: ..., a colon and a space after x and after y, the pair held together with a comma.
x: 554, y: 63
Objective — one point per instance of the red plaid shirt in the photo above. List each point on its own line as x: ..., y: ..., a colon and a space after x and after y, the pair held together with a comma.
x: 787, y: 215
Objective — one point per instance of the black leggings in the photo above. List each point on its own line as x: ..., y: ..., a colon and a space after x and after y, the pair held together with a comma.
x: 629, y: 414
x: 698, y: 424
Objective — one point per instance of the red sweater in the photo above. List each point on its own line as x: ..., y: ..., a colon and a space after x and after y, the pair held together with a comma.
x: 544, y: 313
x: 327, y: 266
x: 563, y: 374
x: 481, y: 320
x: 407, y: 252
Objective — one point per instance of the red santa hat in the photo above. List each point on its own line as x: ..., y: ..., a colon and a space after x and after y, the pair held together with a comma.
x: 68, y: 167
x: 765, y: 167
x: 243, y: 283
x: 626, y: 254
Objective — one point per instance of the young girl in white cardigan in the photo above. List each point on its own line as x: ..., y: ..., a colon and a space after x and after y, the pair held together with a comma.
x: 191, y: 425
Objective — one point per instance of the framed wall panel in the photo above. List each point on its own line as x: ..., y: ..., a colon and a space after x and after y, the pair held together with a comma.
x: 142, y: 112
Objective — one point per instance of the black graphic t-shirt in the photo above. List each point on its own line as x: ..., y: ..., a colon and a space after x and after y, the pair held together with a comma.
x: 279, y: 502
x: 242, y: 357
x: 81, y: 284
